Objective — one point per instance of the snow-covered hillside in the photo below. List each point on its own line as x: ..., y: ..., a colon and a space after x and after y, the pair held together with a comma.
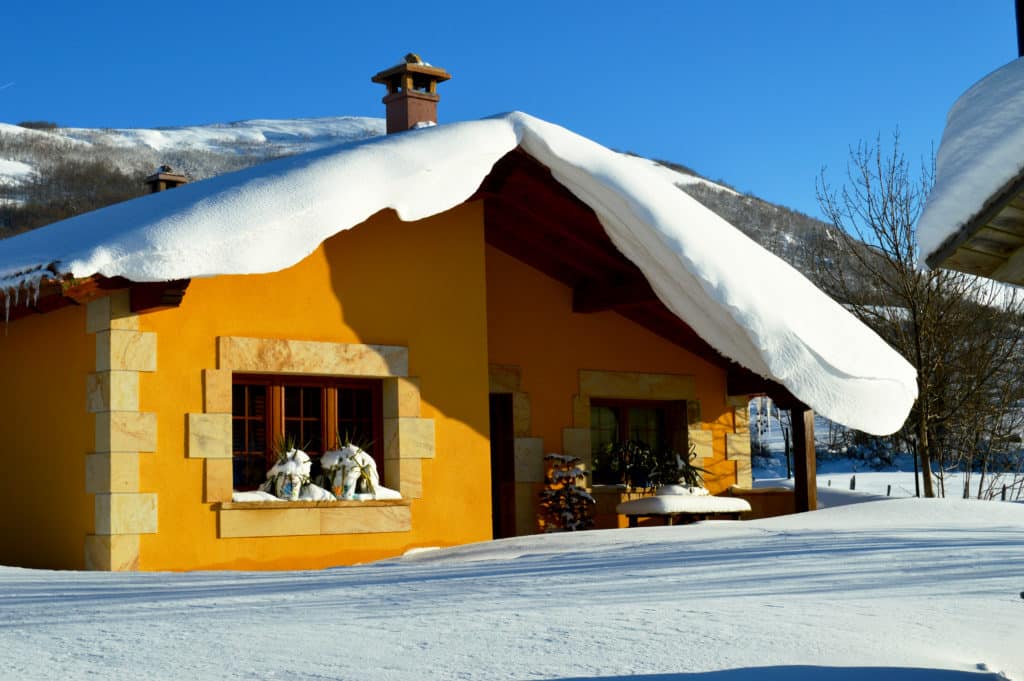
x: 195, y: 149
x: 910, y: 590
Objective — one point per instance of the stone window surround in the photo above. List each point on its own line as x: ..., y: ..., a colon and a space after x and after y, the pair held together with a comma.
x: 662, y: 387
x: 408, y: 438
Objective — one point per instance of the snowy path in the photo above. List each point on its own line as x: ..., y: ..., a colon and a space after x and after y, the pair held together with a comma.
x: 912, y: 586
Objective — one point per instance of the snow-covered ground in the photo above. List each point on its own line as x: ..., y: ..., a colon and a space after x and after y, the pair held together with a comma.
x: 903, y: 589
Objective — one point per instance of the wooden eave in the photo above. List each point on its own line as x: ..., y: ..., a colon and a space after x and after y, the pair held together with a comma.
x: 991, y: 244
x: 535, y: 219
x: 57, y: 292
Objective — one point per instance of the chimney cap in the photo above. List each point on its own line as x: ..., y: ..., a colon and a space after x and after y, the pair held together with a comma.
x: 411, y: 64
x: 164, y: 177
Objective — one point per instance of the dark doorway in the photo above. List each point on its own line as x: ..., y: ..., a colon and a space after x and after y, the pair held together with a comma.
x: 503, y: 469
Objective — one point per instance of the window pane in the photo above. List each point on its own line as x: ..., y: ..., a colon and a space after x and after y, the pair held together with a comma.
x: 604, y: 427
x: 257, y: 400
x: 292, y: 402
x: 238, y: 435
x: 293, y: 432
x: 647, y: 425
x: 311, y: 402
x: 257, y: 436
x: 238, y: 399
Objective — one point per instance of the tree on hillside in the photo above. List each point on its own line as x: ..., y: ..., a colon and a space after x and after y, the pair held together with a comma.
x: 964, y: 336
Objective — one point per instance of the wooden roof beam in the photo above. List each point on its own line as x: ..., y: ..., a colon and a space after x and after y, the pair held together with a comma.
x: 599, y: 296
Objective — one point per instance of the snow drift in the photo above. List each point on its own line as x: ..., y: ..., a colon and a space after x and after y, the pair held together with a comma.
x: 749, y: 305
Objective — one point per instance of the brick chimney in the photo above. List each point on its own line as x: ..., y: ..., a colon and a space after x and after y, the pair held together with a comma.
x: 412, y: 92
x: 164, y: 178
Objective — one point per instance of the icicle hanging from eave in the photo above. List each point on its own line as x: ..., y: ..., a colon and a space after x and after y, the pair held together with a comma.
x: 24, y: 287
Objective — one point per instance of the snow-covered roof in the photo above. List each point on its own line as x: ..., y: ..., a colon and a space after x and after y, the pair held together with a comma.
x: 982, y: 150
x: 743, y: 301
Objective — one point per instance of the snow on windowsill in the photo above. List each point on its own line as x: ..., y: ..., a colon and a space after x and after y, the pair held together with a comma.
x: 282, y: 504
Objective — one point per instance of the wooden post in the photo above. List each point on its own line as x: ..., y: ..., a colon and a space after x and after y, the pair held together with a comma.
x: 805, y: 486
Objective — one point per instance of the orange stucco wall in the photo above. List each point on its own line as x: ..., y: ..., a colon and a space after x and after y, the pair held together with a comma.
x: 530, y: 324
x: 45, y: 433
x: 419, y: 285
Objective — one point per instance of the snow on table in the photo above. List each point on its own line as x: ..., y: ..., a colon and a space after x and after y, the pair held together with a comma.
x: 671, y: 504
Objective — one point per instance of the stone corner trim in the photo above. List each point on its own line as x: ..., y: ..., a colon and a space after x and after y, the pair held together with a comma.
x: 283, y: 356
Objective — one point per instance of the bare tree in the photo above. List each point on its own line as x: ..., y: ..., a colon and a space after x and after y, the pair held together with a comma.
x: 964, y: 336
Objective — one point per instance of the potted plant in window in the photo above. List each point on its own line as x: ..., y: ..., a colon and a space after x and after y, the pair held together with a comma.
x: 632, y: 469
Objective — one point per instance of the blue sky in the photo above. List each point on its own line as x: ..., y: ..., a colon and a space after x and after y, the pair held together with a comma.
x: 760, y: 94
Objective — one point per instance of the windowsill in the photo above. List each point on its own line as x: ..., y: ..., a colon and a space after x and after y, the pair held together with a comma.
x: 256, y: 505
x: 311, y: 518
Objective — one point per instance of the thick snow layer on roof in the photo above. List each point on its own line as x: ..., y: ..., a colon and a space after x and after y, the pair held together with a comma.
x: 745, y: 302
x: 982, y: 149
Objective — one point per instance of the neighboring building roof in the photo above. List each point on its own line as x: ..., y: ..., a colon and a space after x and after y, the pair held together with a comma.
x: 973, y: 219
x: 746, y: 303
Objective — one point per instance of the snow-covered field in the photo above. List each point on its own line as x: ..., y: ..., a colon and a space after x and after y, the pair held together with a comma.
x: 900, y: 589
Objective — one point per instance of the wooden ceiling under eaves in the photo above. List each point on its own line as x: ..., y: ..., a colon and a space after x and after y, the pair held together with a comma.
x: 992, y: 243
x: 532, y: 217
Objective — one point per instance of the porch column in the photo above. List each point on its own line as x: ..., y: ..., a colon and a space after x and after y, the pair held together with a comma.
x: 805, y: 484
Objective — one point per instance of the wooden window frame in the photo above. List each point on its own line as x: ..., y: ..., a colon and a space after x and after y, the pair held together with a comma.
x: 674, y: 415
x: 275, y: 412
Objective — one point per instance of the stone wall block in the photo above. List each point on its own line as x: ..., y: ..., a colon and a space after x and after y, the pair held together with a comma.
x: 311, y: 357
x: 126, y: 514
x: 218, y: 480
x: 702, y: 445
x: 112, y: 472
x: 116, y: 553
x: 209, y: 436
x: 112, y: 391
x: 408, y: 438
x: 119, y: 350
x: 529, y: 459
x: 125, y: 431
x: 217, y: 391
x: 401, y: 397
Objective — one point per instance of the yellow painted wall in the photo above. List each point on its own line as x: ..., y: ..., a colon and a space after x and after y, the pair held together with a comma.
x: 530, y: 324
x: 45, y: 434
x: 419, y: 285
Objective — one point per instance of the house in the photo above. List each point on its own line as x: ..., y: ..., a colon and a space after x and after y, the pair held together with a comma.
x: 464, y: 297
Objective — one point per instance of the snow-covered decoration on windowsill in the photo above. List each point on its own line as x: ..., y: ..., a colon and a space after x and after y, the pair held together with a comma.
x: 353, y: 475
x: 289, y: 479
x: 705, y: 271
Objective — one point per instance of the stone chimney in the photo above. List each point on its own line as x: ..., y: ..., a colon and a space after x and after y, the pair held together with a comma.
x: 412, y: 92
x: 164, y: 178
